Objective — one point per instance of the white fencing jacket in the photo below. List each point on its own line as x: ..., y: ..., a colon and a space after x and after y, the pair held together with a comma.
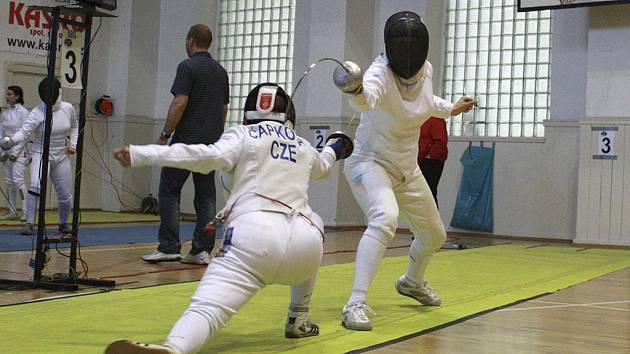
x: 64, y: 134
x: 267, y: 158
x: 13, y: 118
x: 393, y: 110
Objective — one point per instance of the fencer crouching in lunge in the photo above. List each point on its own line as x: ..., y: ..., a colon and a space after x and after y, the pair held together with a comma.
x: 271, y: 233
x: 63, y: 142
x: 395, y: 97
x: 17, y: 158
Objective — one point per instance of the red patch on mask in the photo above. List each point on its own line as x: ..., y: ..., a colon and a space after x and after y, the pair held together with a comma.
x: 265, y: 101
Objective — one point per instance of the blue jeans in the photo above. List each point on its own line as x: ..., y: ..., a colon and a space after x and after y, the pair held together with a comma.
x: 171, y: 182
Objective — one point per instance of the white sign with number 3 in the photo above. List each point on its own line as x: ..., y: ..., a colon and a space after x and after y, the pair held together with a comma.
x: 71, y: 57
x: 606, y: 143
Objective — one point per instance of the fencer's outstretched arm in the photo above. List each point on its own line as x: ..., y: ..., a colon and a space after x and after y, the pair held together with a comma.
x: 374, y: 87
x: 323, y: 162
x: 443, y: 108
x: 197, y: 158
x: 33, y: 122
x: 338, y: 147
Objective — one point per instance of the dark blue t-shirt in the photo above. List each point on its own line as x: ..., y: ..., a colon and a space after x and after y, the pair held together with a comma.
x: 206, y: 84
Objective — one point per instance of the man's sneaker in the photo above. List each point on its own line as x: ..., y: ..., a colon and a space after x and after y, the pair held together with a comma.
x: 423, y: 293
x: 28, y: 229
x: 158, y: 256
x: 129, y: 347
x: 9, y: 216
x: 65, y: 228
x: 202, y: 257
x: 353, y: 317
x: 300, y: 327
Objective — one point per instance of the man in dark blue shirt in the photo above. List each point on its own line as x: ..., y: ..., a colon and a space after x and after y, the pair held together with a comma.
x: 196, y: 116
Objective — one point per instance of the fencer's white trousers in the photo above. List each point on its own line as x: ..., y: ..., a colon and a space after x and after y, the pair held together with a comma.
x: 60, y: 174
x: 260, y: 248
x: 14, y: 180
x: 384, y: 193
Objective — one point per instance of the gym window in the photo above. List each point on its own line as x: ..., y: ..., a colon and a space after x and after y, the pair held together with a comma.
x: 501, y: 57
x: 256, y: 45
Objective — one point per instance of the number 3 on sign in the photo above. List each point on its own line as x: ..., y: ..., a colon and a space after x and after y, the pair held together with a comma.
x: 606, y: 143
x: 71, y: 57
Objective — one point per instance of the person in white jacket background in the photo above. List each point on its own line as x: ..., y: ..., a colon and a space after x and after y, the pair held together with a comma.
x: 395, y: 97
x: 63, y: 142
x: 271, y: 233
x: 16, y: 159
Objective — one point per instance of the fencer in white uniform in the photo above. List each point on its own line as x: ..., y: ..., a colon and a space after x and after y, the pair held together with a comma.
x: 63, y: 142
x: 16, y: 159
x: 271, y: 235
x: 395, y: 97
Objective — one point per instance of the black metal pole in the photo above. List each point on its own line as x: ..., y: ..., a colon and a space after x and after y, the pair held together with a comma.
x: 76, y: 209
x: 40, y: 256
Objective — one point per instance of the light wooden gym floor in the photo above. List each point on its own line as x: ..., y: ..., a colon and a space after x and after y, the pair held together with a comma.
x: 593, y: 317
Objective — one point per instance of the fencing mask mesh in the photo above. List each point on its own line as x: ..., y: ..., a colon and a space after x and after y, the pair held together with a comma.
x: 406, y: 43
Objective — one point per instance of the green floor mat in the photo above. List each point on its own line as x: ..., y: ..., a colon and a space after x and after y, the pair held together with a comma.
x: 470, y: 281
x: 92, y: 217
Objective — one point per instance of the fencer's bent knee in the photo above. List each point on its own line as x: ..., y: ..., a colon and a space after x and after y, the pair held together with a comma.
x: 67, y: 200
x: 385, y: 223
x: 438, y: 235
x: 437, y: 240
x: 430, y: 241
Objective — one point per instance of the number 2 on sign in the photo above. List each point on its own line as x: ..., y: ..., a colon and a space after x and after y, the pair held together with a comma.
x: 319, y: 139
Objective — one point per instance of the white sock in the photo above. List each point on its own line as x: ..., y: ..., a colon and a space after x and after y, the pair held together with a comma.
x: 189, y: 334
x: 23, y: 192
x: 369, y: 255
x: 301, y: 297
x: 418, y: 263
x: 64, y: 210
x: 12, y: 198
x: 32, y: 203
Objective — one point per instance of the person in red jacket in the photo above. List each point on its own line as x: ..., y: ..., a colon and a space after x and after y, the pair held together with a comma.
x: 432, y: 152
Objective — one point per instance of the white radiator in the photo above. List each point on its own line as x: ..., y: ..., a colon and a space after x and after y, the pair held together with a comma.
x: 603, y: 205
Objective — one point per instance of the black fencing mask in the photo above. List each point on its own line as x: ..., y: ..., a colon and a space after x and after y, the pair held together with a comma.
x: 43, y: 87
x: 406, y: 43
x: 268, y: 101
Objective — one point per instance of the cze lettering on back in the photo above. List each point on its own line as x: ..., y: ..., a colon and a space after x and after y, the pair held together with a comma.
x: 283, y: 151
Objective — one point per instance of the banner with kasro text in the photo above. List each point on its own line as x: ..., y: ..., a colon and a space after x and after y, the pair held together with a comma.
x: 25, y: 30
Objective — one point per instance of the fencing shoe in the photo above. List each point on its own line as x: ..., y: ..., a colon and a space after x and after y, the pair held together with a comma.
x: 158, y: 256
x: 423, y: 293
x: 300, y: 327
x: 129, y: 347
x: 202, y: 257
x: 353, y: 316
x: 65, y: 228
x: 28, y: 229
